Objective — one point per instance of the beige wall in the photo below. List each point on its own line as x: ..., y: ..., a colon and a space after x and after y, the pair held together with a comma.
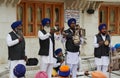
x: 7, y: 15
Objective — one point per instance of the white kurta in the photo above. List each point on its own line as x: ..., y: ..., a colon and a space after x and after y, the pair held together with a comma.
x: 72, y: 58
x: 11, y: 42
x: 57, y: 64
x: 104, y: 60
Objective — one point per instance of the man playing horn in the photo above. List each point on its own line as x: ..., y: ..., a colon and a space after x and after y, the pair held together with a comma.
x: 72, y: 57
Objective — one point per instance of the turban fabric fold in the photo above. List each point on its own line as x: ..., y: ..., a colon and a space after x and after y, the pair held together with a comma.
x: 101, y: 26
x: 19, y: 70
x: 16, y: 24
x: 71, y: 20
x: 58, y: 51
x: 45, y: 21
x: 117, y: 45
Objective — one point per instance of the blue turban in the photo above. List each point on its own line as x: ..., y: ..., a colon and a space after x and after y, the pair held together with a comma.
x: 45, y: 21
x: 71, y: 20
x: 64, y: 74
x: 19, y: 70
x: 101, y: 26
x: 58, y: 51
x: 16, y: 24
x: 117, y: 45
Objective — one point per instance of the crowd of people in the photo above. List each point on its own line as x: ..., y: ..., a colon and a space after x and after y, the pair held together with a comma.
x: 55, y: 62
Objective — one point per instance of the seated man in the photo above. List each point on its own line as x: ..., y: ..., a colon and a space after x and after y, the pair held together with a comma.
x: 58, y: 61
x: 115, y: 57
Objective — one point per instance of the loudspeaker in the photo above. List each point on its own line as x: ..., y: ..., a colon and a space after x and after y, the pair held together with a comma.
x: 90, y: 11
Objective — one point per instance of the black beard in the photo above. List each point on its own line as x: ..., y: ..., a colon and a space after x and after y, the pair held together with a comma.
x: 18, y: 31
x: 103, y: 33
x: 73, y: 29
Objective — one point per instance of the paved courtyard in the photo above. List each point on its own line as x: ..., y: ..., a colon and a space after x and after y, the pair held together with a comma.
x: 30, y: 74
x: 87, y: 64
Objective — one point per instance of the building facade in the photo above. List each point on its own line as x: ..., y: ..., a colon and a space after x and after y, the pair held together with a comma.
x: 88, y: 13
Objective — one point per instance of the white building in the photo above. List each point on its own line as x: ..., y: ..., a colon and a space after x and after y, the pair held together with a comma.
x: 32, y: 11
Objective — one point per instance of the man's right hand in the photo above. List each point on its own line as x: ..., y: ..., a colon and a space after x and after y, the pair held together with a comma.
x: 101, y: 43
x: 20, y: 39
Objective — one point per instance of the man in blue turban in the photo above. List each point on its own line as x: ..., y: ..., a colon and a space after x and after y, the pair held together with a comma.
x: 101, y: 48
x: 58, y: 60
x: 72, y: 23
x: 72, y: 55
x: 16, y: 46
x: 102, y: 28
x: 47, y: 46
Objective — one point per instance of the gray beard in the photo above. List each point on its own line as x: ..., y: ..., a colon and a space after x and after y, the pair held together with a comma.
x: 47, y: 29
x: 19, y: 32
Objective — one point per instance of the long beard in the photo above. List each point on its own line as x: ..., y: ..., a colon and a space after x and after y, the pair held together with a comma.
x: 19, y: 32
x: 47, y: 29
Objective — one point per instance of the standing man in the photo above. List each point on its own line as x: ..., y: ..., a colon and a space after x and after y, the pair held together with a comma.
x: 16, y: 46
x: 101, y: 49
x: 72, y: 46
x: 47, y: 44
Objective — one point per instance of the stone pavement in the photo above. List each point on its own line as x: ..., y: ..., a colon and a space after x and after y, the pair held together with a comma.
x: 87, y: 64
x: 30, y: 74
